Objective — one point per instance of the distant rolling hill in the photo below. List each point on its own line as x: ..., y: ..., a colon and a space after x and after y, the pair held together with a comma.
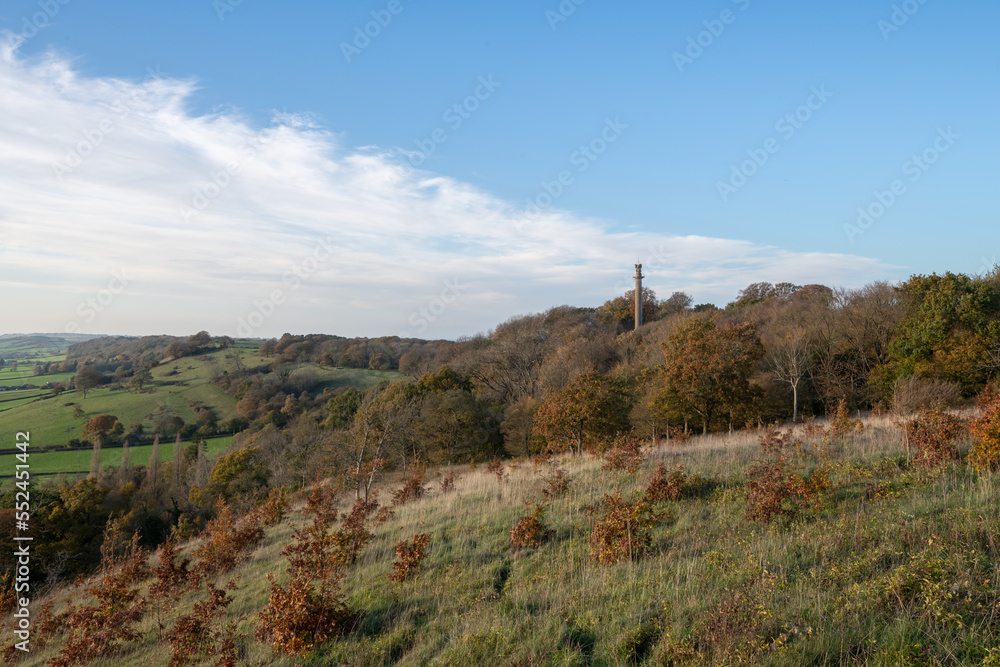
x: 34, y: 346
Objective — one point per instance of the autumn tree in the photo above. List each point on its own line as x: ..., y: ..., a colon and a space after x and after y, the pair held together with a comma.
x: 201, y: 339
x: 154, y: 471
x: 341, y: 408
x: 140, y: 377
x: 99, y: 426
x: 517, y: 428
x: 951, y: 323
x: 762, y: 292
x: 237, y: 475
x: 96, y: 460
x: 379, y: 425
x: 506, y: 368
x: 678, y: 303
x: 177, y: 469
x: 453, y: 425
x: 708, y: 367
x: 790, y: 360
x: 621, y: 309
x: 591, y: 408
x: 87, y: 377
x: 310, y: 609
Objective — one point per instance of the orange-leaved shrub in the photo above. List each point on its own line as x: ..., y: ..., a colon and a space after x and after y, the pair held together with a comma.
x: 309, y: 609
x: 352, y: 536
x: 671, y: 484
x: 496, y: 467
x: 625, y: 454
x: 45, y: 626
x: 530, y: 530
x: 201, y: 633
x: 272, y: 510
x: 448, y: 483
x: 678, y: 434
x: 556, y: 484
x: 413, y: 487
x: 776, y: 487
x: 933, y: 433
x: 101, y: 629
x: 227, y: 540
x: 985, y: 429
x: 841, y: 425
x: 622, y: 530
x: 541, y: 457
x: 410, y: 555
x: 173, y: 575
x: 384, y: 514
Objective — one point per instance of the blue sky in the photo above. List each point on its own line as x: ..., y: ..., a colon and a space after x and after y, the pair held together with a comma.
x: 345, y: 132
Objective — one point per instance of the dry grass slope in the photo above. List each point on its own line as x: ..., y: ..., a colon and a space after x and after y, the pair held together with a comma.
x: 896, y: 565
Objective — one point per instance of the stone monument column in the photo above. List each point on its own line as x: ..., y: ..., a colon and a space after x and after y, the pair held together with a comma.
x: 638, y: 295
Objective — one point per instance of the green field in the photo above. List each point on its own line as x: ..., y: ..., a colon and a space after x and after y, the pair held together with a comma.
x: 79, y: 461
x: 53, y: 421
x: 22, y: 375
x: 14, y: 399
x: 335, y: 378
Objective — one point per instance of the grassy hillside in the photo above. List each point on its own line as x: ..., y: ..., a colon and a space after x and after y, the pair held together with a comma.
x: 38, y: 346
x: 897, y: 565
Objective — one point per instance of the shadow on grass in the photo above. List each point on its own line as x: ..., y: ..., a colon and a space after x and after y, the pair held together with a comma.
x: 582, y: 640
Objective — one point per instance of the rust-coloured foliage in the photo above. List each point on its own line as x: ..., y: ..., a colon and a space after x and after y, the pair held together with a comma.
x: 589, y: 410
x: 48, y: 624
x: 45, y: 625
x: 352, y: 536
x: 309, y: 610
x: 410, y: 555
x: 556, y: 484
x: 227, y: 541
x: 300, y: 616
x: 201, y: 633
x: 625, y: 455
x: 986, y: 431
x: 272, y: 510
x: 666, y: 485
x: 622, y: 531
x: 384, y: 514
x: 496, y: 467
x: 542, y: 457
x: 679, y: 435
x: 448, y: 483
x: 530, y: 530
x: 101, y: 629
x: 413, y: 487
x: 933, y: 433
x: 841, y: 425
x: 775, y: 486
x: 173, y: 575
x: 811, y: 430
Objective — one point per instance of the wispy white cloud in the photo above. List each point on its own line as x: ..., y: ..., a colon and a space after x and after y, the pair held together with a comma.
x: 211, y: 215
